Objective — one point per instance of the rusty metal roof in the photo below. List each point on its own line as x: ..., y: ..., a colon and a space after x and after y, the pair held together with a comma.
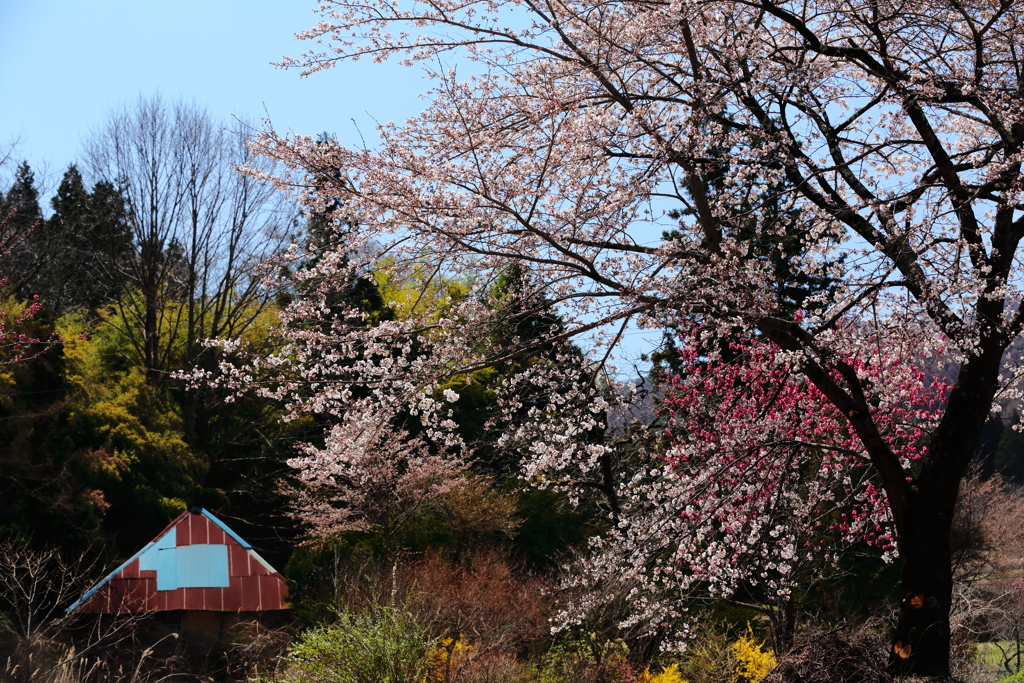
x: 196, y: 563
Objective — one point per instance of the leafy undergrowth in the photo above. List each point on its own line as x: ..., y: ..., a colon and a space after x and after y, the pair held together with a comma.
x: 388, y: 646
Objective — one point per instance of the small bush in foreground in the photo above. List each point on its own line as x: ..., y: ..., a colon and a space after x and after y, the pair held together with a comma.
x: 752, y: 662
x: 383, y: 645
x: 669, y: 674
x: 585, y: 658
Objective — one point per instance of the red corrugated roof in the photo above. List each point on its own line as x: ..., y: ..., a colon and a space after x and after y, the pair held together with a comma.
x: 224, y: 575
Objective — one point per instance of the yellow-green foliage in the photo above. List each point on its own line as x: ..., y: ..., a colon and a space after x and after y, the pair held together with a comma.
x: 752, y: 662
x: 383, y: 645
x: 136, y: 427
x: 129, y: 434
x: 421, y: 290
x: 120, y: 336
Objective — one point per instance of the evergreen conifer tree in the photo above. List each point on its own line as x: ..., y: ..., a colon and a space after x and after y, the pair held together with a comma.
x: 20, y: 208
x: 88, y: 239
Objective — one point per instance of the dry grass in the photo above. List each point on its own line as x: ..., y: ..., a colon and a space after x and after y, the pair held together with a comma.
x: 857, y: 656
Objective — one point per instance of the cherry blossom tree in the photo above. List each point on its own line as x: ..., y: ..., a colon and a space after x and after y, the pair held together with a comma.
x: 880, y: 141
x: 370, y: 479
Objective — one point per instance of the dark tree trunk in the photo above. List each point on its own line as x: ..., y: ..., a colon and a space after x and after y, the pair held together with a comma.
x: 920, y: 642
x: 922, y: 498
x: 151, y: 335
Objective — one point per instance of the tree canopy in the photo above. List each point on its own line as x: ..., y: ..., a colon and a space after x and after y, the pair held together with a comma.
x: 882, y: 139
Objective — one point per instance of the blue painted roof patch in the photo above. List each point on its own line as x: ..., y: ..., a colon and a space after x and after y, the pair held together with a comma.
x: 200, y: 566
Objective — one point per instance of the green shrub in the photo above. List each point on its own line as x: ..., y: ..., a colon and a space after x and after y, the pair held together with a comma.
x: 384, y: 645
x: 586, y: 658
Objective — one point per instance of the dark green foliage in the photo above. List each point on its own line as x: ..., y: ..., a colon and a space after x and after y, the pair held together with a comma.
x: 525, y: 323
x: 88, y: 246
x: 326, y: 232
x: 863, y: 586
x: 23, y: 197
x: 548, y: 530
x: 318, y: 572
x: 985, y: 455
x: 90, y: 457
x: 41, y: 482
x: 550, y: 527
x: 532, y: 320
x: 77, y: 258
x: 144, y: 468
x: 22, y: 244
x: 246, y: 453
x: 1009, y: 455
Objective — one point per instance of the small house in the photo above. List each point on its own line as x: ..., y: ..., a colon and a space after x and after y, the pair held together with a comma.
x: 196, y: 576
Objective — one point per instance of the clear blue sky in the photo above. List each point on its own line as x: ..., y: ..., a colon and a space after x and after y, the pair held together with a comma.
x: 65, y: 63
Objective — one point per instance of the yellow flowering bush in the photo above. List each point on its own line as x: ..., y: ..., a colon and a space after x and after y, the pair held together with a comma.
x: 669, y: 674
x: 752, y: 662
x: 444, y: 661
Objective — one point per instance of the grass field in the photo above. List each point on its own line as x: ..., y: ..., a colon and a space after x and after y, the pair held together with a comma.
x: 994, y: 657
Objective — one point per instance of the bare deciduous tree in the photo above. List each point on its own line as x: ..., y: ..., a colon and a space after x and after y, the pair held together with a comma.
x: 36, y: 589
x: 199, y: 231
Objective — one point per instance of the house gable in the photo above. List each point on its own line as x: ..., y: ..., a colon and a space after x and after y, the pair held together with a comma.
x: 196, y: 563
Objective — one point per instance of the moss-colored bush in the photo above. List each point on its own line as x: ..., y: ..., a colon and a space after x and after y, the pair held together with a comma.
x: 383, y: 645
